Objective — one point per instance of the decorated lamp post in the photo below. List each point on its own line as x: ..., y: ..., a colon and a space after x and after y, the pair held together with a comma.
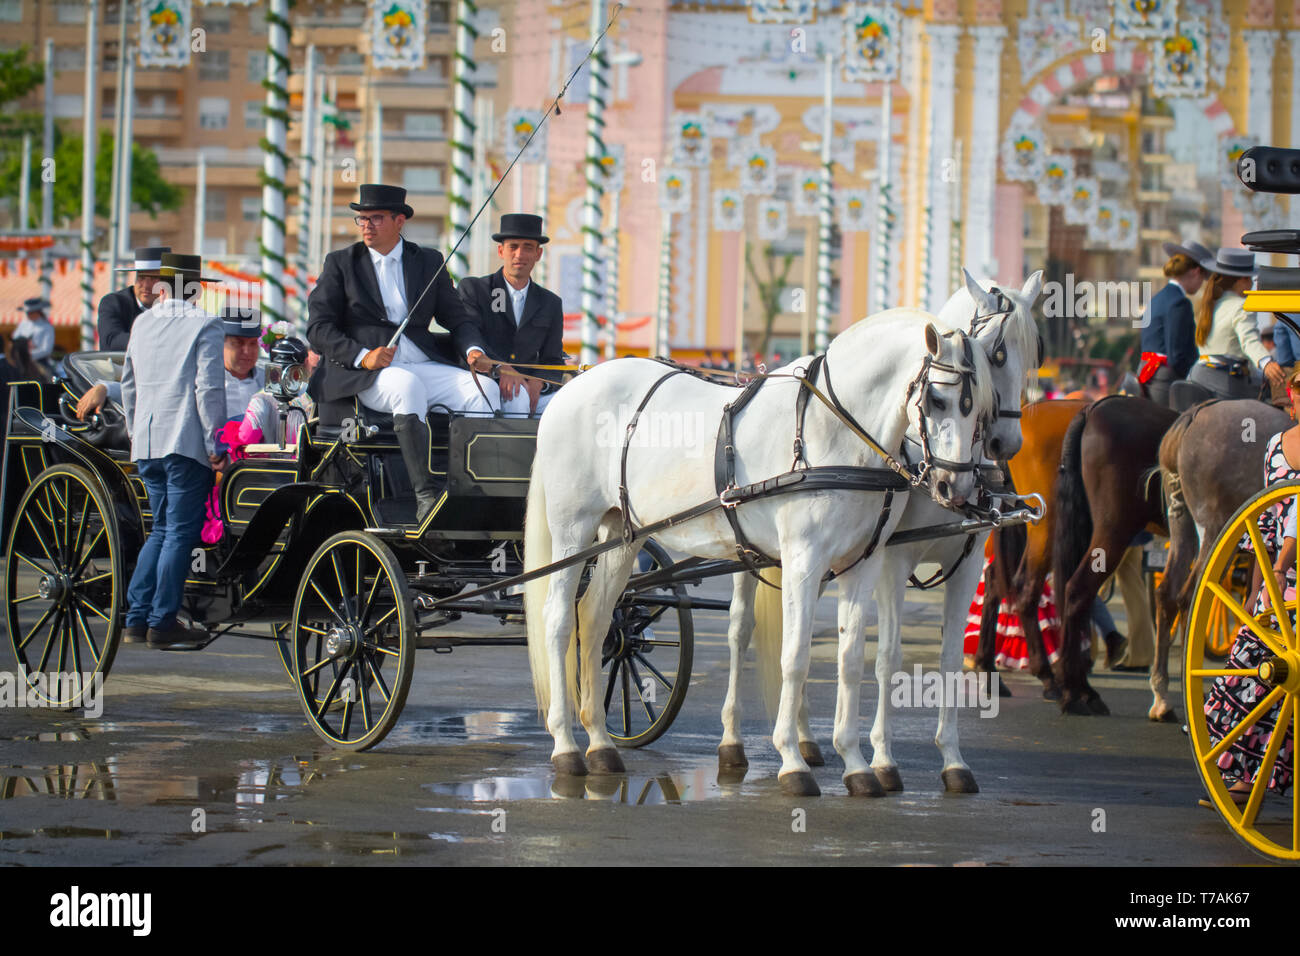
x: 462, y: 133
x: 884, y: 202
x: 591, y: 219
x: 89, y: 143
x: 822, y: 338
x: 47, y: 185
x: 306, y: 174
x: 123, y: 239
x: 276, y: 162
x: 119, y: 144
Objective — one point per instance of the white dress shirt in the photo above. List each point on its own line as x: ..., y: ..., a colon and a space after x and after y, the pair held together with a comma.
x: 41, y: 334
x: 240, y: 391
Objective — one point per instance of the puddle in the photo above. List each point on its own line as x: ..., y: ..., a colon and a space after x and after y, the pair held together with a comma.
x: 474, y: 726
x: 668, y: 788
x: 61, y: 833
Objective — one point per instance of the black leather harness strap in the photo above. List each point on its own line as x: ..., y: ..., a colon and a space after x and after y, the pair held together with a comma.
x: 629, y: 531
x: 724, y: 476
x: 943, y: 574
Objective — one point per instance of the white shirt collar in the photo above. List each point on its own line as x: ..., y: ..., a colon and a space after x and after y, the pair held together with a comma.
x: 1176, y: 284
x: 394, y: 254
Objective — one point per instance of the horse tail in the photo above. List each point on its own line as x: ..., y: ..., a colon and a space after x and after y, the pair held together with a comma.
x: 1073, y: 515
x: 768, y: 616
x: 1173, y: 442
x: 537, y: 553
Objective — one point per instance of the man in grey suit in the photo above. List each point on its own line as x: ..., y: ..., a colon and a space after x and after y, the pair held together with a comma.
x: 174, y: 396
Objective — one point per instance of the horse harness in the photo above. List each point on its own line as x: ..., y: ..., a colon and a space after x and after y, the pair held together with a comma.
x: 801, y: 476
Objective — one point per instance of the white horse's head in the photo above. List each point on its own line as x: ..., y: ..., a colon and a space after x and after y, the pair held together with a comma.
x: 1002, y: 322
x: 948, y: 400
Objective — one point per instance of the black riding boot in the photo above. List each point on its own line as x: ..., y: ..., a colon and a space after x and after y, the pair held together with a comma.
x: 413, y: 439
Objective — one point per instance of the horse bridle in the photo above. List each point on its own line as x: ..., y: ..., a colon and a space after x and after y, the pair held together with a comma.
x: 1003, y: 307
x: 965, y: 403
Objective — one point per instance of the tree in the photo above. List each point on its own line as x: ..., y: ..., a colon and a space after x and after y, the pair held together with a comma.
x: 769, y: 289
x: 149, y: 191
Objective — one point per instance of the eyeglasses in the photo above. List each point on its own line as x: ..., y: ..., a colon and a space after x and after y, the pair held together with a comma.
x: 364, y: 221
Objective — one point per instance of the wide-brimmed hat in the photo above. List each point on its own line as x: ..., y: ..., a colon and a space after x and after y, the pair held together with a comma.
x: 147, y: 259
x: 520, y: 225
x: 1198, y: 253
x: 175, y: 264
x: 376, y: 196
x: 1235, y: 262
x: 36, y: 304
x: 244, y: 323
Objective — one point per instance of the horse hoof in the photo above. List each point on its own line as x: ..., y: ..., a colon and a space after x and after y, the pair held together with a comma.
x: 799, y: 783
x: 570, y: 763
x: 863, y: 784
x: 1097, y: 706
x: 730, y: 777
x: 606, y: 760
x: 732, y: 757
x: 1051, y: 692
x: 1004, y: 690
x: 1075, y: 706
x: 811, y: 753
x: 1167, y: 716
x: 889, y: 778
x: 959, y: 780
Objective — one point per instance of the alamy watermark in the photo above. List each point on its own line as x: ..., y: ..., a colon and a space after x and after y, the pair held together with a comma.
x: 1086, y: 300
x: 41, y: 690
x: 689, y: 431
x: 932, y: 689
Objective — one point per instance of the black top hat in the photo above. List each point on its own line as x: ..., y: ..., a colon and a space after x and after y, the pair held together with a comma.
x: 147, y: 259
x: 242, y: 322
x: 520, y: 225
x: 186, y: 267
x: 375, y: 196
x: 36, y: 304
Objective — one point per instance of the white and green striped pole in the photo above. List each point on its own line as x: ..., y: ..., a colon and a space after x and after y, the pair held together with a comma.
x: 47, y: 185
x: 611, y: 279
x: 822, y: 332
x: 89, y: 144
x: 595, y: 173
x: 543, y: 191
x: 302, y: 260
x: 462, y: 133
x: 884, y: 289
x: 276, y: 162
x: 664, y: 312
x: 955, y: 280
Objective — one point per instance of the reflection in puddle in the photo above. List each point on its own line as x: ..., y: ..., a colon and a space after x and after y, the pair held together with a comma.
x: 666, y: 788
x: 473, y: 726
x: 61, y: 833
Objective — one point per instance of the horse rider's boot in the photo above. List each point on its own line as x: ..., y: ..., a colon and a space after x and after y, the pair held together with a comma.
x: 413, y: 439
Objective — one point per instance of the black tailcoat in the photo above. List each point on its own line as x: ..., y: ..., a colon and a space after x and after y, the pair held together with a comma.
x: 536, y: 339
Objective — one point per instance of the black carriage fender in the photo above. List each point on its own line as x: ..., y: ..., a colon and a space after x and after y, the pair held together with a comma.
x: 268, y: 522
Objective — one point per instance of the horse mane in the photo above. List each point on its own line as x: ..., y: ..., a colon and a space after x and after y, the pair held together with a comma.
x: 982, y: 391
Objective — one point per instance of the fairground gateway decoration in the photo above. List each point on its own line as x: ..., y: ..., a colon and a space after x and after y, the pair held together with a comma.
x: 611, y: 164
x: 1145, y: 19
x: 805, y: 192
x: 165, y: 33
x: 871, y: 41
x: 728, y: 210
x: 519, y: 125
x: 782, y: 11
x: 772, y: 215
x: 1057, y: 181
x: 675, y: 190
x: 1104, y: 226
x: 397, y: 31
x: 1023, y: 156
x: 1126, y: 228
x: 758, y: 175
x: 1081, y: 208
x: 1180, y: 67
x: 690, y: 144
x: 854, y: 207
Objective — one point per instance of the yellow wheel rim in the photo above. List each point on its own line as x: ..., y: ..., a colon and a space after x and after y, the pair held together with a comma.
x: 1268, y: 824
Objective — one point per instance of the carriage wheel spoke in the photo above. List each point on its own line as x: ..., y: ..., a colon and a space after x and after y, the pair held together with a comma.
x: 81, y: 532
x: 379, y: 680
x: 90, y: 640
x: 91, y: 607
x: 63, y: 643
x: 609, y: 685
x: 654, y: 670
x: 1270, y: 582
x: 26, y: 560
x: 636, y: 678
x: 39, y: 540
x: 370, y: 598
x: 25, y: 598
x: 45, y: 657
x: 326, y: 601
x: 333, y: 690
x: 363, y: 695
x: 347, y: 713
x: 379, y: 623
x: 1268, y: 638
x: 317, y: 666
x: 1295, y: 791
x: 67, y: 521
x: 76, y: 644
x: 52, y: 517
x: 343, y: 591
x: 97, y: 577
x: 311, y: 630
x: 90, y: 550
x: 1218, y: 672
x: 1212, y: 755
x: 627, y: 703
x: 37, y: 626
x: 380, y: 649
x: 1265, y: 772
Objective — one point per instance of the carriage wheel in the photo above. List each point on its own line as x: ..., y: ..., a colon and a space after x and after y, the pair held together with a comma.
x: 646, y: 670
x: 351, y: 640
x: 1223, y: 626
x: 1267, y: 823
x: 64, y: 585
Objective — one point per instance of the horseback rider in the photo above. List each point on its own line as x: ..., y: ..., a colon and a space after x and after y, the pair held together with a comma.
x: 1232, y: 354
x: 1169, y: 334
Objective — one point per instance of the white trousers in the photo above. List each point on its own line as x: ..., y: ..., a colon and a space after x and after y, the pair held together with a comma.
x: 414, y: 389
x: 519, y: 404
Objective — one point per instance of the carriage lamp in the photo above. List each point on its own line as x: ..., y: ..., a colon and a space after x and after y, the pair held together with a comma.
x: 287, y: 382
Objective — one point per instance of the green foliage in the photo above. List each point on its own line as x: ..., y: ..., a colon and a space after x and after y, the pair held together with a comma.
x: 769, y: 288
x: 149, y: 191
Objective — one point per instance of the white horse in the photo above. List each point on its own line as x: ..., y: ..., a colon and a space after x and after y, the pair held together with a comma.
x: 892, y: 377
x: 1006, y: 331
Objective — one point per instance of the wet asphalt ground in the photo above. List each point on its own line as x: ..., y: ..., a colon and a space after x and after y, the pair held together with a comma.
x: 205, y: 758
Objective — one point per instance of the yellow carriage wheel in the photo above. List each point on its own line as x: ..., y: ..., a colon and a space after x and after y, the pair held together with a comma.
x: 1267, y: 823
x: 1223, y: 626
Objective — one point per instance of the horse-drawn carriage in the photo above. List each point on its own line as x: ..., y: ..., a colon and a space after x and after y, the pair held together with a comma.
x: 320, y: 553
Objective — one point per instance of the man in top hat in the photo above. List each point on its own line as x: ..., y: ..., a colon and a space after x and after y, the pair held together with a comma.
x: 363, y: 295
x: 241, y: 348
x: 1169, y: 329
x: 118, y: 310
x: 36, y: 328
x: 174, y: 397
x: 521, y: 321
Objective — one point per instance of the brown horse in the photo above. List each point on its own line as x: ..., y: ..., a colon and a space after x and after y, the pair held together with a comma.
x: 1211, y: 462
x: 1023, y: 557
x: 1107, y: 491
